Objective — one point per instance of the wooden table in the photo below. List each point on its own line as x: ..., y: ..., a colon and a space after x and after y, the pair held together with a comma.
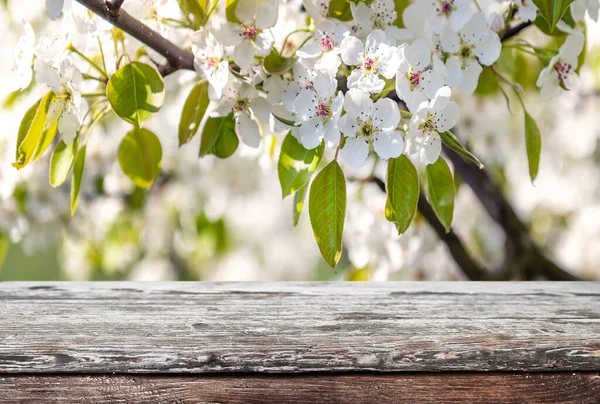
x: 127, y: 342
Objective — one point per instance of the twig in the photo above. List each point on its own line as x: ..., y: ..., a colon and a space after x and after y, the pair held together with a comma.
x: 114, y: 7
x: 177, y: 58
x: 513, y: 31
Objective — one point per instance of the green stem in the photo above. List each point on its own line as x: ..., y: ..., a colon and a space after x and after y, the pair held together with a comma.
x: 102, y: 54
x: 91, y: 95
x: 95, y: 121
x: 90, y: 77
x: 210, y: 10
x: 91, y: 62
x: 292, y: 33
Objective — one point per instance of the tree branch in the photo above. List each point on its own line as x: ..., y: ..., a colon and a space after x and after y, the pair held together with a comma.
x: 513, y: 31
x: 454, y: 244
x: 111, y: 11
x: 522, y: 254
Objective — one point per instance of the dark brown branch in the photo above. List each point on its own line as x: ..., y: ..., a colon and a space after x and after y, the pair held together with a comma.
x: 454, y: 244
x: 111, y: 11
x: 513, y: 31
x: 114, y: 6
x: 520, y: 247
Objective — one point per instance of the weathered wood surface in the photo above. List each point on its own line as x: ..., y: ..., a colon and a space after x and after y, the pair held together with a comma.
x: 578, y: 388
x: 291, y: 327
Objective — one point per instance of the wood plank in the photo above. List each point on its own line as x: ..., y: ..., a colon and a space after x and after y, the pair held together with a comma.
x: 577, y: 388
x: 298, y: 327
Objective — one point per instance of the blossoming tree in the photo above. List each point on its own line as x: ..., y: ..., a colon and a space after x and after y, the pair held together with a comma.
x: 338, y: 84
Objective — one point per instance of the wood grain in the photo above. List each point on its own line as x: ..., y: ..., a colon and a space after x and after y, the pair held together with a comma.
x: 292, y: 328
x: 578, y: 388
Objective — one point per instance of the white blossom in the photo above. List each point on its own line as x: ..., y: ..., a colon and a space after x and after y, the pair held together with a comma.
x: 474, y: 45
x: 560, y: 70
x: 373, y: 59
x: 21, y: 73
x: 369, y: 125
x: 64, y: 80
x: 579, y: 7
x: 527, y: 10
x: 317, y: 110
x: 378, y: 15
x: 317, y: 9
x: 441, y: 14
x: 251, y: 35
x: 55, y: 8
x: 209, y: 60
x: 249, y: 110
x: 325, y: 46
x: 417, y: 80
x: 439, y: 115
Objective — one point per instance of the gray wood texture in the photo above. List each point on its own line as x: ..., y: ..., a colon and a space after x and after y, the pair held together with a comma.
x: 198, y: 328
x: 575, y: 388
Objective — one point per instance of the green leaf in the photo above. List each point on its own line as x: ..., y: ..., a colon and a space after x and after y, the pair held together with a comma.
x: 25, y: 125
x: 197, y: 8
x: 4, y: 244
x: 48, y: 135
x: 440, y: 187
x: 194, y: 109
x: 140, y: 156
x: 299, y: 197
x: 340, y: 10
x: 218, y: 137
x: 552, y: 10
x: 402, y: 192
x: 78, y: 166
x: 452, y: 142
x: 274, y: 63
x: 61, y: 162
x: 32, y: 132
x: 533, y: 143
x: 296, y: 164
x: 136, y: 92
x: 230, y: 8
x: 327, y: 211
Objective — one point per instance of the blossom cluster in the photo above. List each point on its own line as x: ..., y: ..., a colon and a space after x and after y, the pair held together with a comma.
x: 445, y: 45
x: 362, y: 78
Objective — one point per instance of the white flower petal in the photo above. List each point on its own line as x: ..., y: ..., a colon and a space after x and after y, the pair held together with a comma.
x: 247, y: 129
x: 430, y: 149
x: 230, y: 34
x: 386, y: 114
x: 388, y: 144
x: 351, y: 47
x: 311, y: 133
x: 261, y: 109
x: 357, y: 101
x: 470, y: 77
x: 331, y: 135
x: 54, y: 8
x: 355, y: 151
x: 431, y: 82
x: 447, y: 118
x: 243, y: 54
